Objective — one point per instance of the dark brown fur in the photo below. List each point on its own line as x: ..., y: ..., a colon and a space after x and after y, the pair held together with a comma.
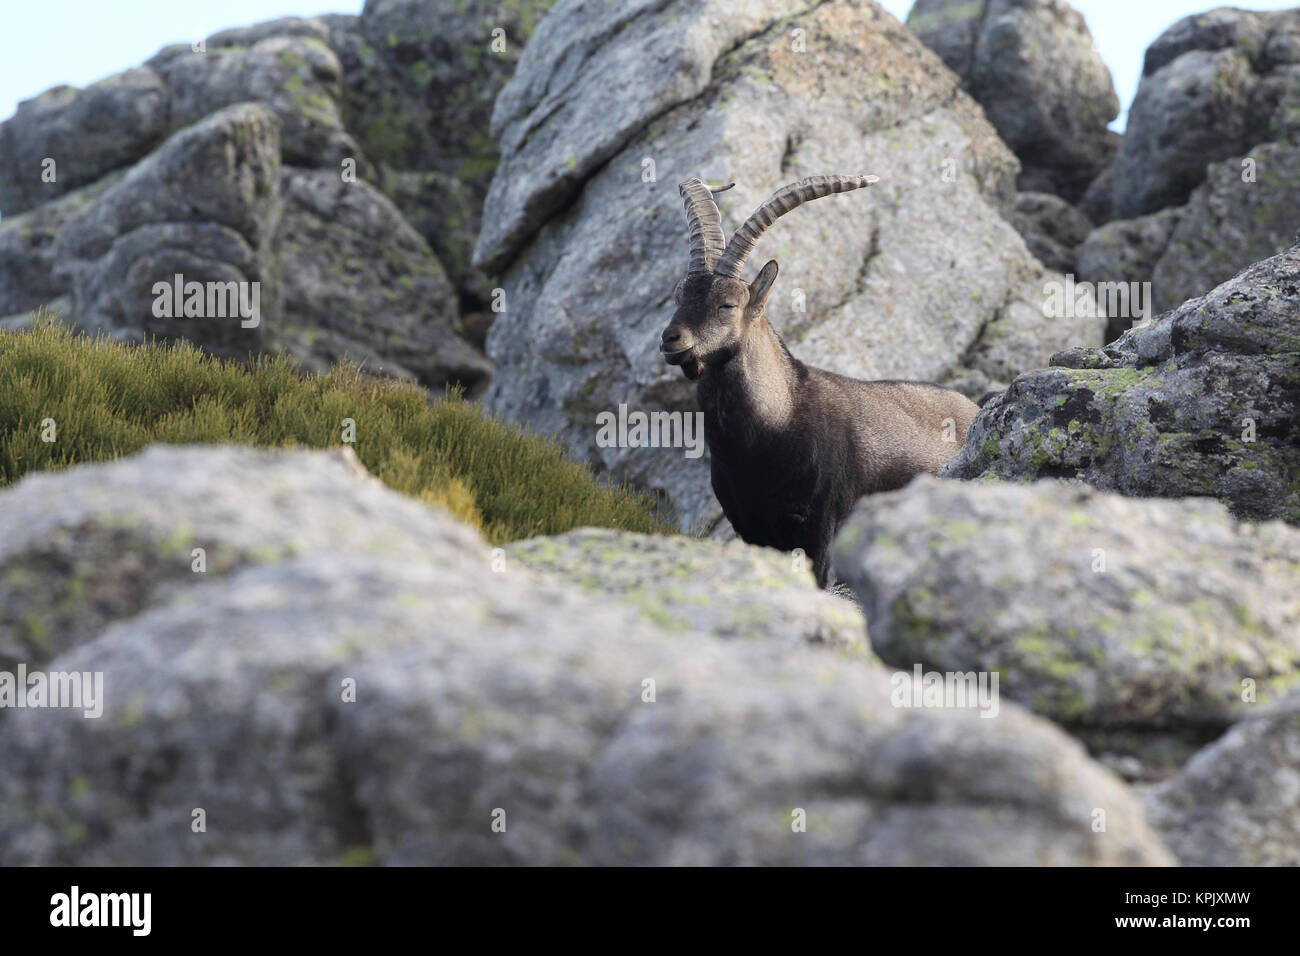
x: 794, y: 447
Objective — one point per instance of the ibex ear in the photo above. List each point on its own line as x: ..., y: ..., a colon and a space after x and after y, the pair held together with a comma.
x: 761, y: 286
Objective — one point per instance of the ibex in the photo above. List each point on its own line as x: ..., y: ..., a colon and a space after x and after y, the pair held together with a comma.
x: 793, y: 447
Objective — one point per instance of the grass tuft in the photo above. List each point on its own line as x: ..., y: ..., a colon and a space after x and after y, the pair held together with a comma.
x: 107, y: 399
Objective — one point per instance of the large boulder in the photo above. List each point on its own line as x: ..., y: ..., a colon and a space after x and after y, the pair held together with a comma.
x: 1033, y: 66
x: 1248, y: 209
x: 612, y: 106
x: 361, y: 284
x: 203, y: 206
x: 86, y: 133
x: 296, y: 77
x: 100, y: 543
x: 1214, y: 85
x: 1136, y: 623
x: 1191, y: 112
x: 1207, y: 180
x: 372, y: 701
x: 1204, y: 400
x: 54, y: 309
x: 1237, y: 802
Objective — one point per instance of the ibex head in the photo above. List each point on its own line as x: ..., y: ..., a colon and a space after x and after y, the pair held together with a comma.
x: 715, y: 307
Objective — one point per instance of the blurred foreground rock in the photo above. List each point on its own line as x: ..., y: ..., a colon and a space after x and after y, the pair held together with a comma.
x: 350, y: 682
x: 1136, y: 623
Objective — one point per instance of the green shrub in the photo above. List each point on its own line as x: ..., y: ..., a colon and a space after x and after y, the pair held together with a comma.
x: 107, y: 400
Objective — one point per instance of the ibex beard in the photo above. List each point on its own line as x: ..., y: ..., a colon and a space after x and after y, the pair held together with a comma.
x: 792, y: 447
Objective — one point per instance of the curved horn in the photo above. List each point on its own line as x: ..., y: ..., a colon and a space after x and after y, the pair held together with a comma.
x: 780, y: 203
x: 703, y: 224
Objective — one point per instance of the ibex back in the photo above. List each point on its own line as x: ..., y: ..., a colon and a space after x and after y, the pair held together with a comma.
x: 793, y: 447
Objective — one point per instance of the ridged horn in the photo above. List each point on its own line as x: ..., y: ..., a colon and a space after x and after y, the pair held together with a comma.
x: 780, y: 203
x: 703, y: 224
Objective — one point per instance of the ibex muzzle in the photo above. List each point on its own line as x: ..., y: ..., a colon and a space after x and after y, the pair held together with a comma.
x: 793, y: 447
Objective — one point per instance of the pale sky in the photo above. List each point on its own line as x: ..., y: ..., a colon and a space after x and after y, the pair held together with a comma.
x: 80, y: 41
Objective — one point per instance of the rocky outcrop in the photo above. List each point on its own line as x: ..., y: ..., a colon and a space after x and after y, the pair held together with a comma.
x: 296, y: 77
x: 1052, y: 228
x: 612, y: 106
x: 1164, y: 153
x: 1245, y: 210
x: 1207, y: 179
x: 203, y: 206
x: 1136, y: 623
x: 305, y: 28
x: 673, y: 582
x: 1215, y: 85
x: 1204, y: 400
x: 419, y: 81
x: 395, y: 312
x: 340, y: 686
x: 1237, y: 802
x: 66, y: 138
x: 363, y: 287
x: 428, y: 75
x: 1248, y: 209
x: 1034, y: 68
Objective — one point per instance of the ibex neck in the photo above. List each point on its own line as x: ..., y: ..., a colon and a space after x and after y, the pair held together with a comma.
x: 757, y: 385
